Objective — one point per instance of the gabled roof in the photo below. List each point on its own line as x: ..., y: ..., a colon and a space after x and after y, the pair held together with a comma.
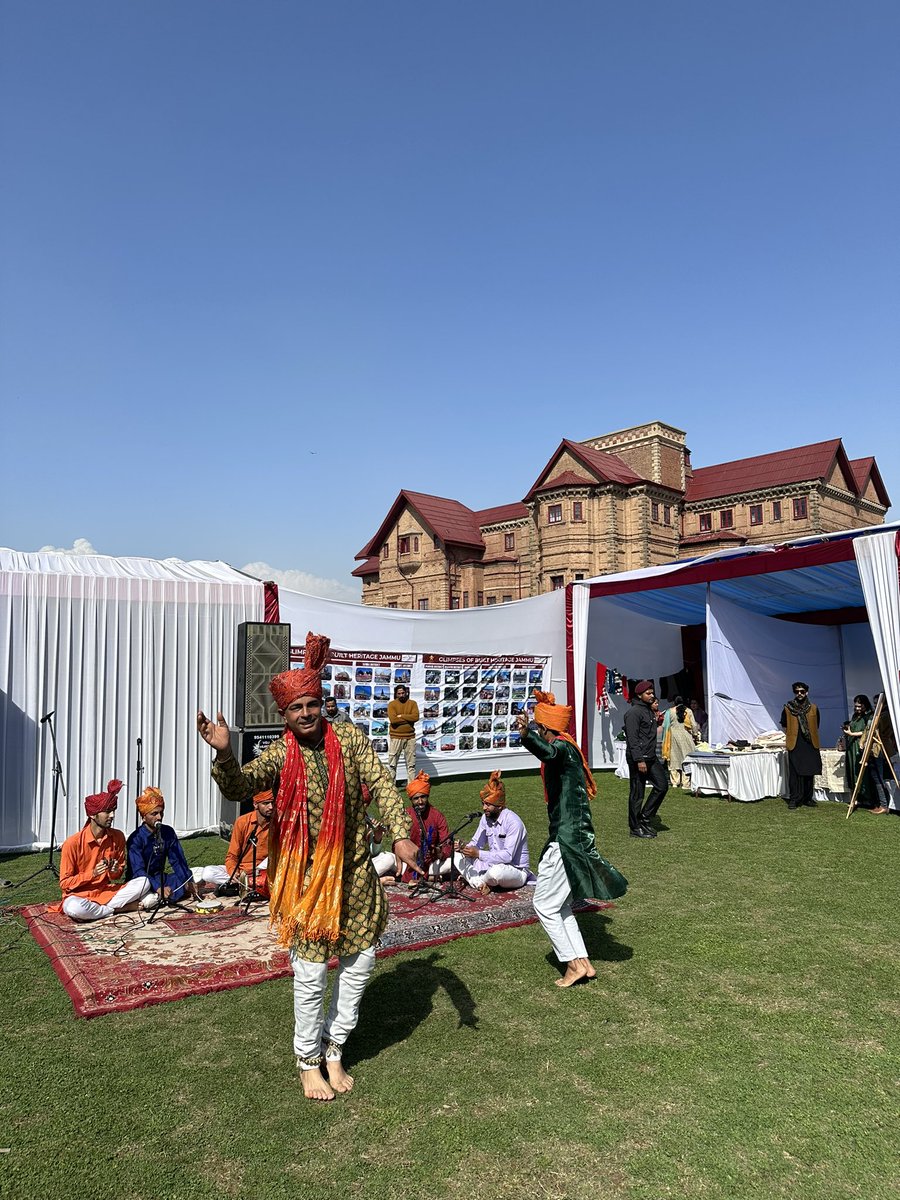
x: 567, y: 479
x: 800, y: 465
x: 447, y: 519
x: 501, y: 512
x: 603, y: 466
x: 370, y: 567
x: 865, y: 469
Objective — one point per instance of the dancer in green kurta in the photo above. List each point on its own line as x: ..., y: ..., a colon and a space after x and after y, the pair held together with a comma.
x: 571, y: 868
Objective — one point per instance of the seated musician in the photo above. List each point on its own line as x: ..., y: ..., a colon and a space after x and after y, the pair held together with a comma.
x: 497, y: 856
x: 92, y: 864
x: 239, y: 858
x: 150, y: 844
x: 429, y: 828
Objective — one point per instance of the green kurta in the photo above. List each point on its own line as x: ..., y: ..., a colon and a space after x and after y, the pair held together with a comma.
x: 568, y: 809
x: 852, y: 759
x: 364, y: 907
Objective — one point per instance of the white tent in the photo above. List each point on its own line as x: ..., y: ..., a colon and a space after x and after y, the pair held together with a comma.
x: 117, y: 649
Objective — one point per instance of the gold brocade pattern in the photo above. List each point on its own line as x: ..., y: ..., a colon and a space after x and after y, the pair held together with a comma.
x: 364, y: 908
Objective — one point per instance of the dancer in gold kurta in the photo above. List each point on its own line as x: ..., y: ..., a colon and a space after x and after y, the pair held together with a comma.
x: 325, y: 896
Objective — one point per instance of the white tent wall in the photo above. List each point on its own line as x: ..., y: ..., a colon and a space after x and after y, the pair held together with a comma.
x: 533, y: 626
x: 120, y: 649
x: 861, y: 672
x: 752, y: 659
x: 876, y: 560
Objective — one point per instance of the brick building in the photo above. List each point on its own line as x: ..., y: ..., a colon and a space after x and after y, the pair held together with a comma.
x: 613, y: 503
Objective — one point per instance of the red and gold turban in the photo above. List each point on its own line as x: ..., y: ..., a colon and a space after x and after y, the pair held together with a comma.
x: 264, y: 797
x: 420, y: 786
x: 550, y: 714
x: 306, y: 680
x: 149, y: 800
x: 493, y: 791
x: 104, y: 801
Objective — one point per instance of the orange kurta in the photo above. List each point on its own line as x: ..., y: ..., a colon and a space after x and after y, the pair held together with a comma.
x: 240, y: 834
x: 79, y: 856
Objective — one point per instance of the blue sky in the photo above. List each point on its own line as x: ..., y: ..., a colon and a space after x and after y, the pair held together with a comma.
x: 265, y: 263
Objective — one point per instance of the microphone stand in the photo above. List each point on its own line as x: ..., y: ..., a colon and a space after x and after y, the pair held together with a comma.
x: 424, y: 886
x: 139, y: 772
x: 452, y: 889
x: 252, y: 894
x: 164, y: 901
x: 57, y: 784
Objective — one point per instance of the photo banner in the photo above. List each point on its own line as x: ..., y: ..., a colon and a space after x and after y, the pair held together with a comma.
x: 468, y: 703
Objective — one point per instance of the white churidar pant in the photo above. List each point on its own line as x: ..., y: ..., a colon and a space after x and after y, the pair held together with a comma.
x: 386, y: 864
x: 311, y: 1026
x: 500, y: 875
x: 553, y: 905
x: 219, y: 875
x: 81, y: 909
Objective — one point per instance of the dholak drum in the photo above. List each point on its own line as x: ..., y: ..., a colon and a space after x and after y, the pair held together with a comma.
x: 262, y: 884
x: 206, y: 908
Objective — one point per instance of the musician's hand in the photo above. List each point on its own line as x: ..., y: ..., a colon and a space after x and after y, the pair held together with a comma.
x: 166, y: 893
x: 377, y: 831
x: 217, y: 735
x: 469, y: 851
x: 100, y: 868
x: 407, y: 851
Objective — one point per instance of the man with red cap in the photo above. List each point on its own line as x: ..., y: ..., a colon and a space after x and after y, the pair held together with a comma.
x: 325, y: 898
x: 92, y: 864
x: 430, y: 830
x: 497, y: 856
x: 644, y: 764
x: 570, y: 867
x: 250, y: 827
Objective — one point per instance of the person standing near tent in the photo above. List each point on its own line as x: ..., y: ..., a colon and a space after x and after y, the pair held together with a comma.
x: 678, y: 735
x: 570, y: 867
x: 402, y: 716
x: 325, y: 899
x: 644, y: 765
x: 800, y: 722
x: 855, y: 731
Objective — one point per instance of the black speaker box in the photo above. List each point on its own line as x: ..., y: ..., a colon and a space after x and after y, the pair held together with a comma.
x: 263, y: 651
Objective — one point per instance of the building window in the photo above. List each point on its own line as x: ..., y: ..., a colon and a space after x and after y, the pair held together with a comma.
x: 454, y: 601
x: 799, y: 508
x: 776, y: 510
x: 706, y: 522
x: 392, y: 603
x: 480, y: 599
x: 415, y: 543
x: 654, y: 511
x: 577, y: 510
x: 385, y: 549
x: 509, y: 541
x: 667, y: 514
x: 465, y: 599
x: 507, y: 599
x: 437, y: 542
x: 726, y: 518
x: 557, y: 582
x: 403, y: 545
x: 492, y: 599
x: 423, y: 605
x: 554, y: 514
x: 756, y: 514
x: 579, y: 575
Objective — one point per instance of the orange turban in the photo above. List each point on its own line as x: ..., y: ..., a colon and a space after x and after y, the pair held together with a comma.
x: 104, y: 801
x: 263, y: 797
x: 550, y: 714
x: 150, y: 799
x: 306, y: 680
x: 420, y: 786
x: 493, y: 791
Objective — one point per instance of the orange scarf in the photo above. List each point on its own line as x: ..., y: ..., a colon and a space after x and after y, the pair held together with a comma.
x: 313, y: 914
x: 588, y: 777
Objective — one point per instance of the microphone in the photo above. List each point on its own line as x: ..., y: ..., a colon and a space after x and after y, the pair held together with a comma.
x: 472, y: 816
x: 48, y: 716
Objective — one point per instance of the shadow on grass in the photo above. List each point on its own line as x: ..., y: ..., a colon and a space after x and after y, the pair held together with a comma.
x: 401, y: 999
x: 599, y: 942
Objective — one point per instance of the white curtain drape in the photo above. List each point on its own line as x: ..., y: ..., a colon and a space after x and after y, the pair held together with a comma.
x: 118, y: 649
x: 876, y: 559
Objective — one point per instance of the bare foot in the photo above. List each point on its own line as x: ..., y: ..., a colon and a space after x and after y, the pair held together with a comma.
x: 484, y: 890
x: 315, y: 1085
x: 340, y: 1080
x: 574, y: 972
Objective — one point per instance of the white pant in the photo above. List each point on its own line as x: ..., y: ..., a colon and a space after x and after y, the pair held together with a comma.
x: 386, y: 863
x: 553, y: 905
x: 81, y: 909
x: 311, y: 1027
x: 220, y: 875
x: 500, y: 875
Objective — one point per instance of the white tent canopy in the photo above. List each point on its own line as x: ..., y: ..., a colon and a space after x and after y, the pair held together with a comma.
x: 117, y: 648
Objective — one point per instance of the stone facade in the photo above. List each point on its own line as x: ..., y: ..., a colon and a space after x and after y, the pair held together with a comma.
x: 613, y: 503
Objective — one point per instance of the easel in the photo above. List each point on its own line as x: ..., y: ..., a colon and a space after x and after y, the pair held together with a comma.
x: 872, y: 739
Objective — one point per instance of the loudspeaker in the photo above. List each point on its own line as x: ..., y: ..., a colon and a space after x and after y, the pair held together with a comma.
x: 263, y: 651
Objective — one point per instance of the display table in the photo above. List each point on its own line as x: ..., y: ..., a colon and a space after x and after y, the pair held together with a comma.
x: 832, y: 783
x: 745, y: 775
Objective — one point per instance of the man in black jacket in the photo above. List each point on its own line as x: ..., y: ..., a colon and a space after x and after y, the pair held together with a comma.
x: 643, y: 765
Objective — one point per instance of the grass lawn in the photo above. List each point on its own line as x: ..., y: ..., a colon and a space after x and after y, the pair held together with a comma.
x: 741, y: 1040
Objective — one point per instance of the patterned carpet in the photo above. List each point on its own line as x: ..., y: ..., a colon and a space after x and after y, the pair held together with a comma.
x: 124, y: 962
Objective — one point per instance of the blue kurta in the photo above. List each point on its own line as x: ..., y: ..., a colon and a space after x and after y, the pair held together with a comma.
x: 144, y: 858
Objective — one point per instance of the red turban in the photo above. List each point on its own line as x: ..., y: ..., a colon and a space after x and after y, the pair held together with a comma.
x: 550, y: 714
x: 149, y: 800
x: 493, y: 791
x: 306, y: 680
x: 420, y: 786
x: 104, y: 801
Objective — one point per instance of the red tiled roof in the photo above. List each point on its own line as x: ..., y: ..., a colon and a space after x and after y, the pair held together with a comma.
x: 723, y: 535
x: 448, y: 519
x: 502, y: 512
x: 567, y: 479
x: 799, y: 465
x: 369, y: 567
x: 864, y: 469
x: 605, y: 467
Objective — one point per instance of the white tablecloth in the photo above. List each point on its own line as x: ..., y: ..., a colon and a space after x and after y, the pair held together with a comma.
x: 748, y: 775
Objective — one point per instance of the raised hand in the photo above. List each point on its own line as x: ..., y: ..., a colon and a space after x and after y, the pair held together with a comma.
x: 217, y: 735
